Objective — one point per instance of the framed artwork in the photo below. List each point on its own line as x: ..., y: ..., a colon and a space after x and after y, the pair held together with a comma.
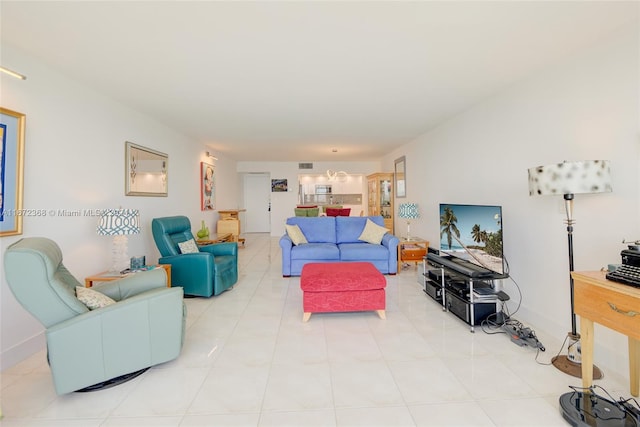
x: 400, y: 176
x: 12, y: 126
x: 207, y: 187
x: 278, y: 185
x: 146, y: 171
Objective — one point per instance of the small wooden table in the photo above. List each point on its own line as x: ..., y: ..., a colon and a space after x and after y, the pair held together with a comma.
x: 611, y: 304
x: 412, y: 250
x: 107, y: 277
x: 221, y: 238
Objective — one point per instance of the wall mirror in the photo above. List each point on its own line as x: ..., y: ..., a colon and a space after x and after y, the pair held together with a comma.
x: 146, y: 171
x: 400, y: 177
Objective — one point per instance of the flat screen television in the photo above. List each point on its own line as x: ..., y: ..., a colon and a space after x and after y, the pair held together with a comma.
x: 473, y: 233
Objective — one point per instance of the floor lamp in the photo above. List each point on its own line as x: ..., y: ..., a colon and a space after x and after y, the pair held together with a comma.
x: 568, y: 179
x: 119, y: 223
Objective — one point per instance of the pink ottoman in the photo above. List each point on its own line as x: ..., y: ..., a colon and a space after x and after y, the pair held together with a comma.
x: 342, y: 286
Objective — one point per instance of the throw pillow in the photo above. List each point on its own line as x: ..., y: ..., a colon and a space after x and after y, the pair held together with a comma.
x: 372, y: 233
x: 92, y: 299
x: 295, y: 234
x: 188, y: 247
x: 333, y: 211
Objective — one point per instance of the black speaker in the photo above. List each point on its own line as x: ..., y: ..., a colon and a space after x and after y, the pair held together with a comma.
x: 433, y: 289
x: 462, y: 309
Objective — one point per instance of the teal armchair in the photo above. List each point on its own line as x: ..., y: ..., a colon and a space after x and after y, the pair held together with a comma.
x: 89, y: 349
x: 211, y: 271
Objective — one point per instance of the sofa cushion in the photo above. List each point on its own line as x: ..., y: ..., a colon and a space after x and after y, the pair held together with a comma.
x: 295, y: 234
x: 316, y: 251
x: 93, y: 299
x: 372, y: 233
x: 362, y: 252
x: 349, y: 228
x: 188, y: 247
x: 318, y: 229
x: 341, y: 277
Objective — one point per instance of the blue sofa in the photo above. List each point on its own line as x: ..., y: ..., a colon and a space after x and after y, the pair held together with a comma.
x: 333, y: 239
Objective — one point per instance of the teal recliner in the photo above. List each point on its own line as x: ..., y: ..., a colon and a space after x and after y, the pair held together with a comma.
x: 89, y: 348
x: 211, y: 271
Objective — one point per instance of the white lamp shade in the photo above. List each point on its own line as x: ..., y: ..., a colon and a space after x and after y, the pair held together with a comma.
x: 588, y: 176
x: 118, y: 222
x: 408, y: 211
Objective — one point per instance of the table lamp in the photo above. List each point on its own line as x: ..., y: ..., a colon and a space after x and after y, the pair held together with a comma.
x: 119, y: 223
x: 408, y: 211
x: 567, y: 179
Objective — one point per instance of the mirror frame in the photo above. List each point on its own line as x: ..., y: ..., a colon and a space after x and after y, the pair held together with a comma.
x: 400, y: 176
x: 129, y: 175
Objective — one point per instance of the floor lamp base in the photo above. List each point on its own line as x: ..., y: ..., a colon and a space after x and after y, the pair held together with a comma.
x: 562, y: 363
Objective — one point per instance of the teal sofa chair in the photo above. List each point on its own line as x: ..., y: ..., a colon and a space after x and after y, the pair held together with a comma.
x: 89, y: 349
x: 211, y: 271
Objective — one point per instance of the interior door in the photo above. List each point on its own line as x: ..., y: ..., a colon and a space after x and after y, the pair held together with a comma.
x: 257, y: 202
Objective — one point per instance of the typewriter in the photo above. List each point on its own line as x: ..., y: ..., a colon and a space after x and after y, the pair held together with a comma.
x: 629, y: 272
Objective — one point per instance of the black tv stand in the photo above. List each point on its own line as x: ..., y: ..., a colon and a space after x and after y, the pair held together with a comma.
x: 462, y: 288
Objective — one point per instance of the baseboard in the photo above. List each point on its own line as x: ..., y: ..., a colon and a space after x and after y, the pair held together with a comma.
x: 22, y: 351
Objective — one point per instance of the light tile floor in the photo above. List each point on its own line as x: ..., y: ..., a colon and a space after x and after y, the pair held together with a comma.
x: 248, y: 360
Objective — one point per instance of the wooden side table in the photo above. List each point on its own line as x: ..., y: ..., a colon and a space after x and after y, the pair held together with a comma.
x: 412, y: 250
x: 611, y: 304
x: 221, y: 238
x: 106, y: 277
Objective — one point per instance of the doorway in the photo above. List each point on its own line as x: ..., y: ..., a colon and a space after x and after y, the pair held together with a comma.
x: 257, y: 202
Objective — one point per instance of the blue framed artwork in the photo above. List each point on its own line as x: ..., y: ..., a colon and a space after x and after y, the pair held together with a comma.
x: 12, y: 126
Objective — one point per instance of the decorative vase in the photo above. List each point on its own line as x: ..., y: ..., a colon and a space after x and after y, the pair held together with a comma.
x: 203, y: 233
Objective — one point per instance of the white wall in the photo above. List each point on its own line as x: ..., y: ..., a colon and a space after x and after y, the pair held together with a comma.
x: 583, y: 108
x: 74, y: 159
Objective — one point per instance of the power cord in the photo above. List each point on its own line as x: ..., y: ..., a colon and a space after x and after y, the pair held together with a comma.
x: 502, y: 322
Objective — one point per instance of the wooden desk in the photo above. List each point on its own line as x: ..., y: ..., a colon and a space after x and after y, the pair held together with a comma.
x: 106, y: 277
x: 412, y: 250
x: 613, y: 305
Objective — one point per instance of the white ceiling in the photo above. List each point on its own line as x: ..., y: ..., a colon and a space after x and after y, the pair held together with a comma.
x: 292, y: 80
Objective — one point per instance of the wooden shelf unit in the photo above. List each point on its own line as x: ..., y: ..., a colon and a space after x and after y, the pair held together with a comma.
x: 380, y: 197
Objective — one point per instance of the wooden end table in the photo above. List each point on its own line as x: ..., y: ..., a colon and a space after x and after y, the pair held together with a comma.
x: 105, y: 276
x: 613, y: 305
x: 220, y: 238
x: 412, y: 250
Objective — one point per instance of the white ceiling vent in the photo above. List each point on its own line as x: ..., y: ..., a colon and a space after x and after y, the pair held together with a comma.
x: 305, y: 165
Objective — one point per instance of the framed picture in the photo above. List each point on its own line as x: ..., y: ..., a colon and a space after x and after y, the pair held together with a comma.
x: 12, y: 126
x: 278, y: 185
x: 146, y: 171
x: 207, y: 187
x: 400, y: 176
